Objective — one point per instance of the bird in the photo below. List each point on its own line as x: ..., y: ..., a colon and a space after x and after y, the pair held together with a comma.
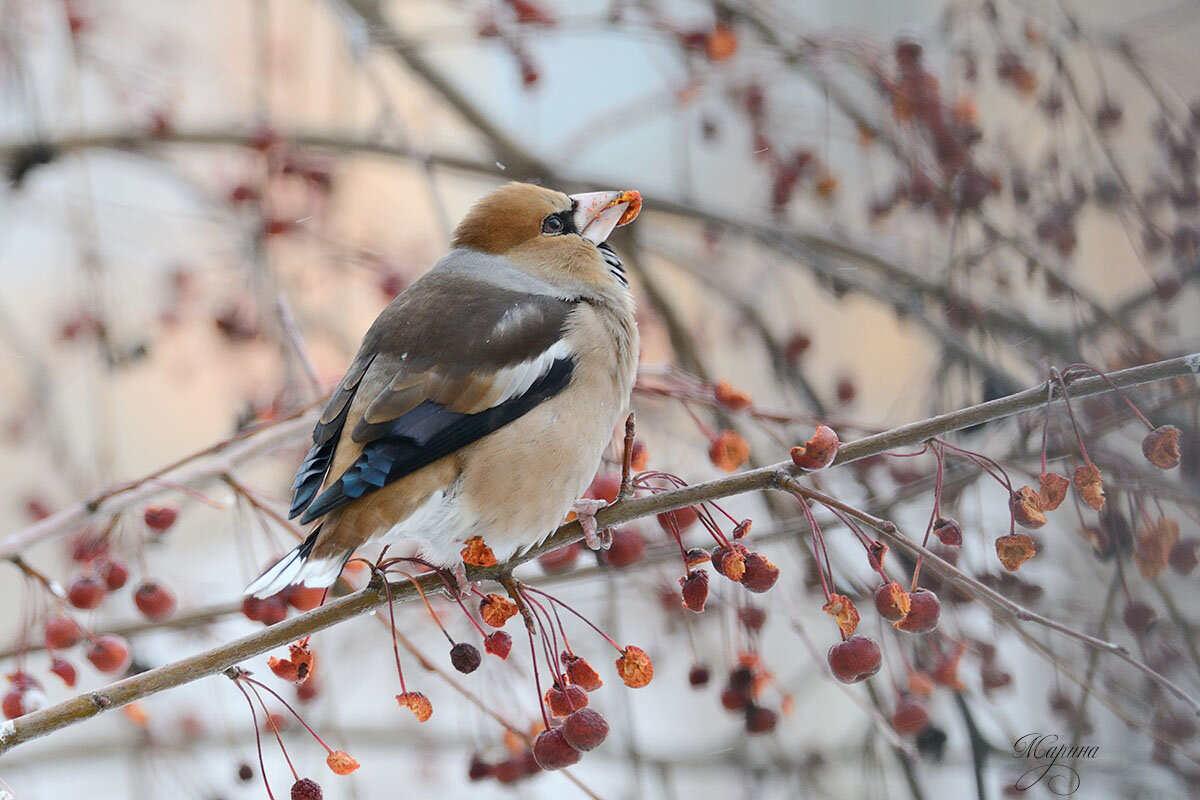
x: 482, y: 398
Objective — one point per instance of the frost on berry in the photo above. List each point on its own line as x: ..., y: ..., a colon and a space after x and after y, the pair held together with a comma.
x: 86, y: 592
x: 1090, y: 485
x: 306, y: 789
x: 730, y: 560
x: 154, y: 600
x: 729, y: 451
x: 417, y: 703
x: 581, y: 673
x: 1026, y: 507
x: 817, y: 452
x: 759, y: 574
x: 564, y: 700
x: 855, y: 659
x: 923, y: 612
x: 497, y: 609
x: 948, y: 531
x: 1161, y: 447
x: 63, y: 669
x: 465, y: 657
x: 109, y: 653
x: 1014, y: 550
x: 59, y: 633
x: 891, y: 601
x: 297, y: 667
x: 498, y: 643
x: 695, y: 590
x: 477, y: 554
x: 341, y: 762
x: 24, y: 695
x: 1052, y: 490
x: 635, y: 667
x: 552, y: 751
x: 910, y: 716
x: 1153, y: 546
x: 585, y: 729
x: 842, y: 609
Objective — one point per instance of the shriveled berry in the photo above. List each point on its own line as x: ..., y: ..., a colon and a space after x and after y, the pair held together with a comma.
x: 628, y: 547
x: 585, y: 729
x: 760, y: 574
x: 552, y: 751
x: 759, y: 719
x: 109, y: 653
x: 59, y: 633
x: 696, y: 556
x: 1161, y: 446
x: 891, y: 601
x: 695, y: 590
x: 63, y: 669
x: 855, y: 659
x: 465, y: 657
x: 910, y: 716
x: 341, y: 762
x: 154, y: 600
x: 86, y: 592
x: 635, y: 667
x: 496, y: 610
x: 498, y: 643
x: 306, y: 789
x: 114, y: 573
x: 730, y: 560
x: 565, y: 700
x: 923, y: 612
x: 581, y: 673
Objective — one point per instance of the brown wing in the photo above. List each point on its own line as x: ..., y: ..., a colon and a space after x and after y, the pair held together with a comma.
x: 449, y: 361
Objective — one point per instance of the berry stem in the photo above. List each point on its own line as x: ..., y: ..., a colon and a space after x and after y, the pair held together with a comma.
x: 1115, y: 388
x: 262, y: 767
x: 1071, y: 413
x: 392, y: 618
x: 588, y: 622
x: 275, y: 730
x: 254, y: 682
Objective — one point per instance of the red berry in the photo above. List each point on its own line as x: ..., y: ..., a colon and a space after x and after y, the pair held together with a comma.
x: 154, y: 600
x: 563, y: 702
x: 910, y: 717
x: 585, y: 729
x: 855, y: 659
x: 948, y: 531
x: 498, y: 643
x: 159, y: 518
x: 114, y: 573
x: 18, y: 702
x: 695, y: 590
x: 86, y: 592
x: 303, y: 598
x: 560, y: 559
x: 752, y: 617
x: 730, y: 560
x: 581, y: 673
x: 465, y: 657
x: 1139, y: 617
x: 508, y: 771
x: 923, y: 612
x: 698, y: 675
x: 63, y: 669
x: 267, y: 610
x: 760, y: 720
x: 628, y: 546
x: 683, y: 518
x: 306, y: 789
x: 760, y: 574
x: 61, y: 633
x: 479, y: 769
x: 109, y: 653
x: 605, y: 486
x: 890, y: 600
x: 551, y: 750
x: 735, y: 699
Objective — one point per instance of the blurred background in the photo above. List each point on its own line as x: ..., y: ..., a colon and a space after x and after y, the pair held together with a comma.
x: 857, y: 213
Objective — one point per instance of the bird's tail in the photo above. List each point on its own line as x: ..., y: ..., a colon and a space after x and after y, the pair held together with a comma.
x: 299, y: 567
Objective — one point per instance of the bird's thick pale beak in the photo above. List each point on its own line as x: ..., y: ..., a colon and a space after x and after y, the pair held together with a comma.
x: 598, y: 213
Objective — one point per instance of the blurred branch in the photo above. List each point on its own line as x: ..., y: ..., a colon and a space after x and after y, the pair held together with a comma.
x: 779, y: 476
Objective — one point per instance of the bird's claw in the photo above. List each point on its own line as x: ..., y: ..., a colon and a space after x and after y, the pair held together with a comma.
x: 585, y: 510
x: 462, y: 584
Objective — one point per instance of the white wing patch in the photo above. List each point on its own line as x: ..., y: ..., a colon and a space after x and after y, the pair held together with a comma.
x: 517, y: 379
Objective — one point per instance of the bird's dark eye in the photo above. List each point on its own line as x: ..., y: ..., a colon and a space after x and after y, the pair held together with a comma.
x: 553, y: 224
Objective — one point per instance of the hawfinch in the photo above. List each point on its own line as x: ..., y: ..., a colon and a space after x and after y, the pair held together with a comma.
x: 483, y: 396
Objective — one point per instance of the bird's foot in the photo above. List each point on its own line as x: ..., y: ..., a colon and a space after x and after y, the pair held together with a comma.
x: 585, y: 509
x: 459, y: 584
